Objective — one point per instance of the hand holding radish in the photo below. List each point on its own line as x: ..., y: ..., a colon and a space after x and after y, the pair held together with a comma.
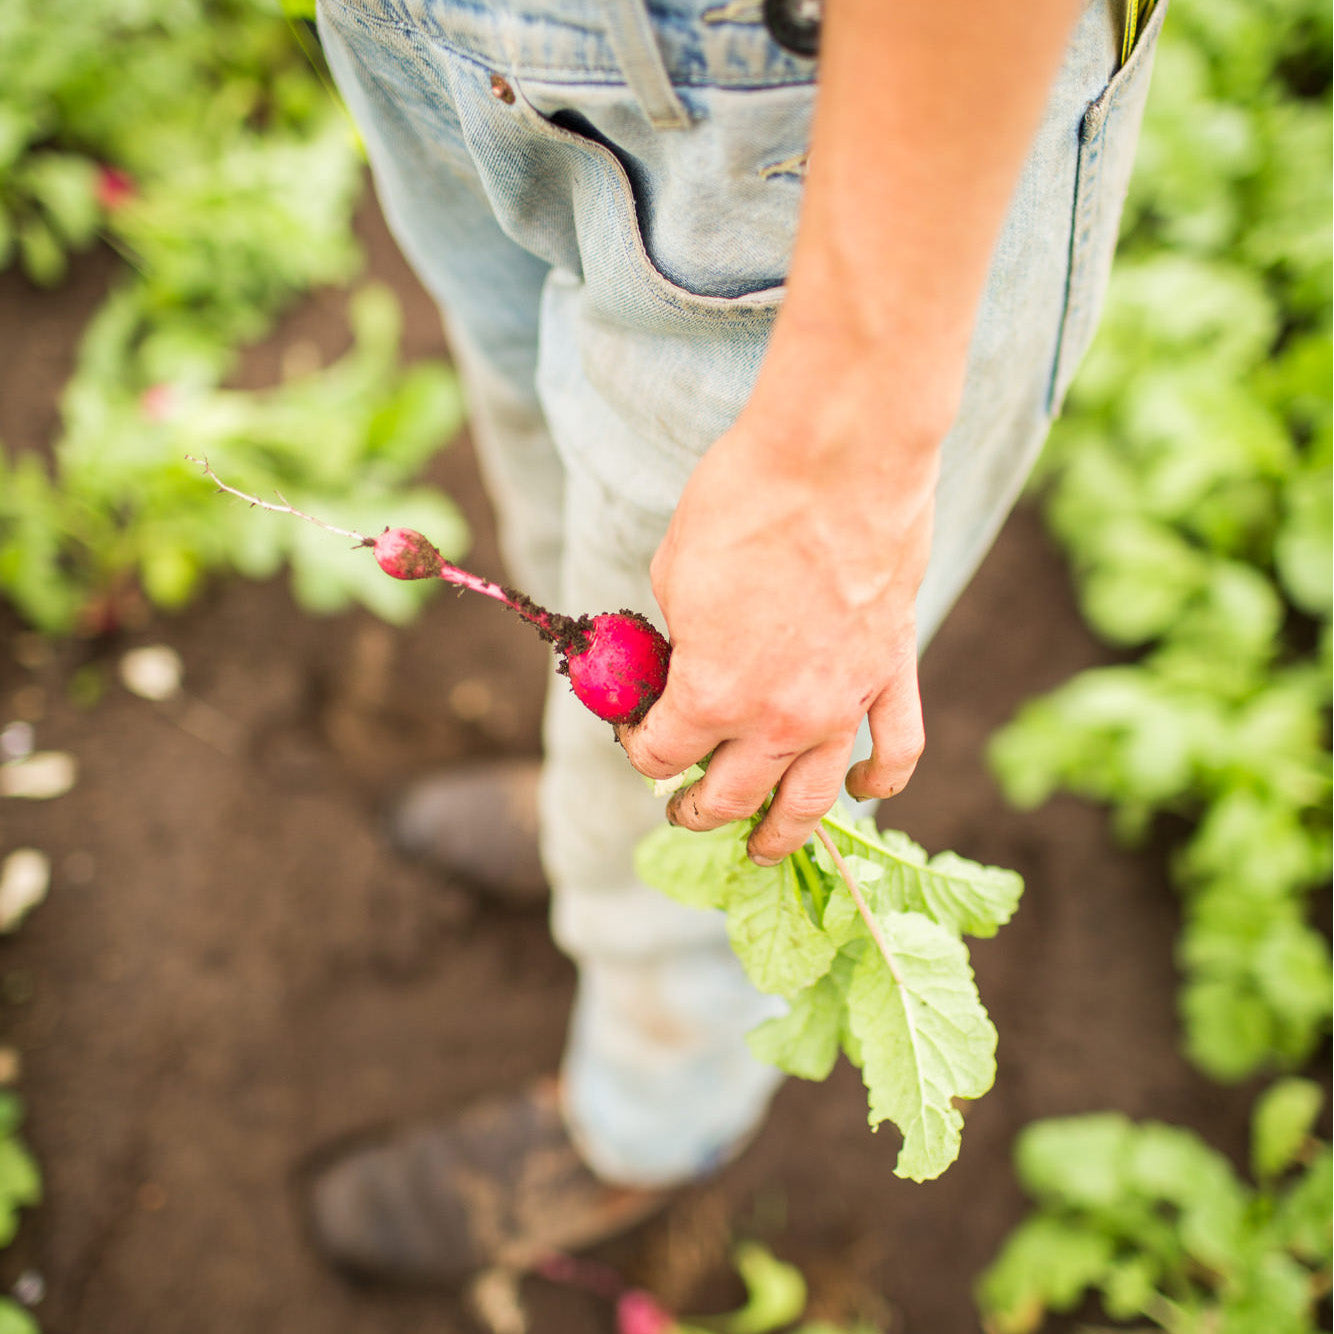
x: 788, y: 578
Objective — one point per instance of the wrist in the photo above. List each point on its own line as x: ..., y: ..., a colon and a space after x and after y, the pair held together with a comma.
x: 830, y: 398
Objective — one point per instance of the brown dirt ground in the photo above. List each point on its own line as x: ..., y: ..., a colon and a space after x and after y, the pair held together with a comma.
x: 233, y: 971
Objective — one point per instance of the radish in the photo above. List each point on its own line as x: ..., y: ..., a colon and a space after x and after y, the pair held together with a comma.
x: 616, y: 661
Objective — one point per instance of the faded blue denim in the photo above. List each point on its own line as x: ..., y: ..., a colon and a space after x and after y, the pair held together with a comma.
x: 603, y: 200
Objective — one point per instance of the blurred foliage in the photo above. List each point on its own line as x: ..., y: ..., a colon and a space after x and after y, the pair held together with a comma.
x: 1162, y: 1228
x: 71, y: 551
x: 1190, y: 482
x: 20, y: 1187
x: 200, y: 139
x: 195, y: 133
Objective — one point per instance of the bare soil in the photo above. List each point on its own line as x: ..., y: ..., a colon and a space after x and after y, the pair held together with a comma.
x: 234, y: 972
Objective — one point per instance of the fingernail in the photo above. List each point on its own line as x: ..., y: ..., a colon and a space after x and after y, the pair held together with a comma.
x: 761, y: 860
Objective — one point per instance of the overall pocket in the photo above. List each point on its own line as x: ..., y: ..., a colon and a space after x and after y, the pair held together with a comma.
x: 720, y: 261
x: 1108, y: 136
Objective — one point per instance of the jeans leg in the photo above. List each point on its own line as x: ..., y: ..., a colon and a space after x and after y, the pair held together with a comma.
x: 488, y: 287
x: 659, y: 1084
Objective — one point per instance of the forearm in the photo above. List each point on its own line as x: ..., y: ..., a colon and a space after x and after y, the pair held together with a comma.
x: 923, y: 119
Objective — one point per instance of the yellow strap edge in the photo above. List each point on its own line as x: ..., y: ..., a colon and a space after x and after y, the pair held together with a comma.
x: 1137, y: 15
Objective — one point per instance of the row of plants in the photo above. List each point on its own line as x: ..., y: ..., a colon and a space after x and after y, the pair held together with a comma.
x: 1189, y: 482
x: 199, y: 140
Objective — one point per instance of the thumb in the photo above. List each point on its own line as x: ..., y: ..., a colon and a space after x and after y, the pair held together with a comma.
x: 897, y: 741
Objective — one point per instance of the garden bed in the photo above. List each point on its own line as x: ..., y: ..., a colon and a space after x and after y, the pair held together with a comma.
x: 233, y: 972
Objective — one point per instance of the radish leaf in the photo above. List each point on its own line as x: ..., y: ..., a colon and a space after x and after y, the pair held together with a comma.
x: 886, y: 980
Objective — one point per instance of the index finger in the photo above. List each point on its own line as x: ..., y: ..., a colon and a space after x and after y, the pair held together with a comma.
x: 667, y: 742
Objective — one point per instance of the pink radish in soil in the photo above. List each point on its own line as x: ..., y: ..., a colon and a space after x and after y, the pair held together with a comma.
x: 616, y: 661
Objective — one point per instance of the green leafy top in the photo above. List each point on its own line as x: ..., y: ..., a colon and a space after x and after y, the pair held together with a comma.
x: 861, y: 933
x: 1160, y: 1225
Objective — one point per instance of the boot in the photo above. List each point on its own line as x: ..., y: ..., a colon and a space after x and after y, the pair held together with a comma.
x: 499, y: 1184
x: 477, y: 824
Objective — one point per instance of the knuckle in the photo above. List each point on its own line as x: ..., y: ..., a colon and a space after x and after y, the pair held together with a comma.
x: 790, y: 727
x: 804, y: 807
x: 727, y: 807
x: 710, y: 716
x: 903, y: 759
x: 708, y: 707
x: 659, y: 570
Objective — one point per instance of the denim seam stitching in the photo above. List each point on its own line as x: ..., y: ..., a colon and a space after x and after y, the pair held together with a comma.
x: 576, y: 75
x: 671, y: 294
x: 1087, y: 202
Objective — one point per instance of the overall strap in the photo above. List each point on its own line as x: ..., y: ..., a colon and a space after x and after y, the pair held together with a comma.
x: 630, y: 31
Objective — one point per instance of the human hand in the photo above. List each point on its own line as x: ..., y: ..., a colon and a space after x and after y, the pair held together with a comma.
x: 787, y: 579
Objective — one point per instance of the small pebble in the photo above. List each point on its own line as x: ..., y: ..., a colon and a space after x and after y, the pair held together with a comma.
x: 496, y: 1301
x: 151, y: 1197
x: 16, y: 740
x: 152, y: 673
x: 471, y: 699
x: 25, y: 876
x: 39, y: 776
x: 29, y: 1288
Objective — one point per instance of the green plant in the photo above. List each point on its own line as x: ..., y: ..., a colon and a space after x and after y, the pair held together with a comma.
x: 1160, y: 1227
x: 20, y: 1188
x: 124, y: 510
x: 862, y: 933
x: 199, y: 139
x: 775, y: 1300
x: 1190, y: 484
x: 193, y: 133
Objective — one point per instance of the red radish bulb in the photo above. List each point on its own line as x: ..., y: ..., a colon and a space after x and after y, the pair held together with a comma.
x: 115, y: 188
x: 639, y: 1312
x: 622, y: 670
x: 616, y: 662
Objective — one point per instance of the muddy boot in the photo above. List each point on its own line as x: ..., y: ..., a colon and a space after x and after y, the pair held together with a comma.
x: 498, y: 1184
x: 477, y: 824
